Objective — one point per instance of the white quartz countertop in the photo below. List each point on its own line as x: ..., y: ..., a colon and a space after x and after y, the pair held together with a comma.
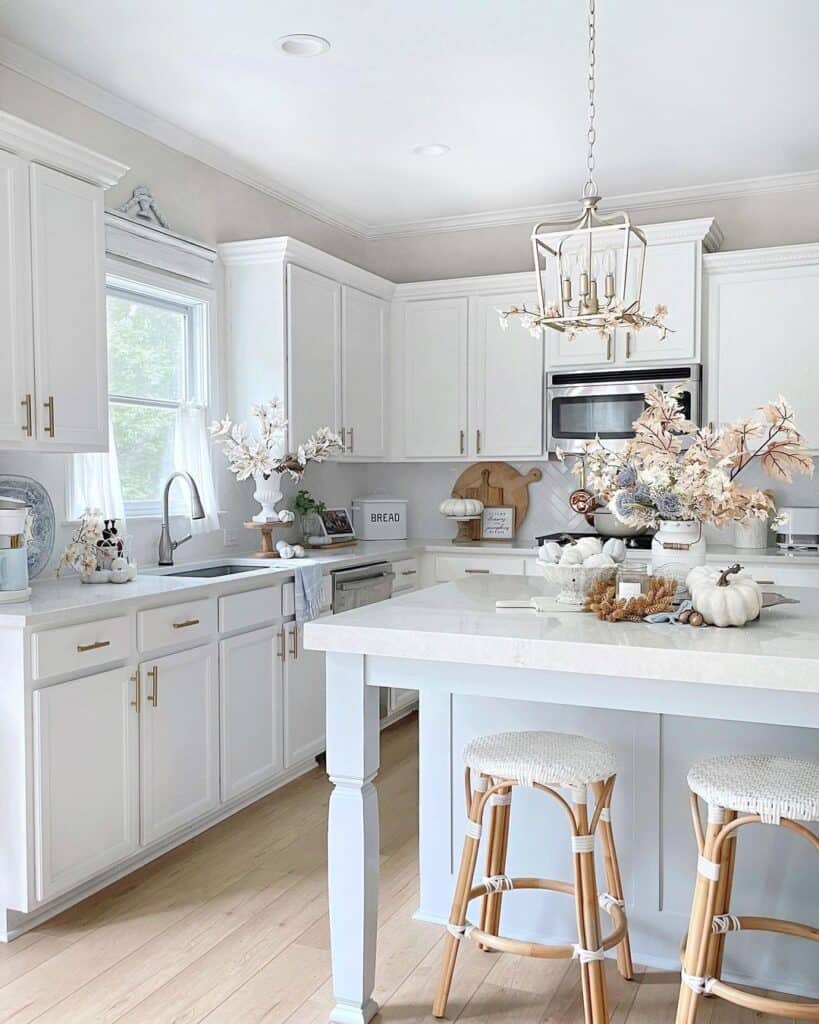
x: 52, y: 598
x: 458, y: 622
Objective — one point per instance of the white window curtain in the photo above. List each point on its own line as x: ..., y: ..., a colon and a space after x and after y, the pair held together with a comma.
x: 95, y: 482
x: 192, y: 455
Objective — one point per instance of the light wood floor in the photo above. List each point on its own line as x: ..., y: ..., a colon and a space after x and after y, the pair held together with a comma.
x: 232, y: 929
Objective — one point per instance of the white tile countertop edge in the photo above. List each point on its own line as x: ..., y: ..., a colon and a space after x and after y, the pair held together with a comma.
x: 55, y: 600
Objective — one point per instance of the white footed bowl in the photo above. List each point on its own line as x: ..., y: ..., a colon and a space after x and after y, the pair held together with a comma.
x: 574, y: 580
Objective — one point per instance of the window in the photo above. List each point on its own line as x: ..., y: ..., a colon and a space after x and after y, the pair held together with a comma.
x: 156, y: 362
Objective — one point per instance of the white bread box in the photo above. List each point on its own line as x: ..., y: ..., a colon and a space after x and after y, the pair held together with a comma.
x: 377, y: 517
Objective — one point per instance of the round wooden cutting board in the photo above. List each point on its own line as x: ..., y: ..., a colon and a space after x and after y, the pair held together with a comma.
x: 497, y: 484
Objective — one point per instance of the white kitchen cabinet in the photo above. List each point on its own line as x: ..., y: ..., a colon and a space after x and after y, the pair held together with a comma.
x: 179, y: 740
x: 86, y: 778
x: 454, y: 567
x: 250, y: 704
x: 17, y: 381
x: 304, y: 698
x: 506, y: 396
x: 760, y: 333
x: 314, y: 351
x: 363, y: 373
x: 435, y: 378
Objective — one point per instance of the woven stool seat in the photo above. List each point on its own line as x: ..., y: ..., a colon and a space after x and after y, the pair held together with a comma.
x: 772, y: 787
x: 548, y: 758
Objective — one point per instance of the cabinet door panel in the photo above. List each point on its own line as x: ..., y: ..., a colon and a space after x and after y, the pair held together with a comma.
x: 313, y: 352
x: 68, y: 260
x: 435, y: 368
x: 250, y: 698
x: 363, y: 372
x: 304, y: 698
x: 86, y: 787
x: 17, y: 379
x: 671, y: 277
x: 179, y: 740
x: 508, y: 382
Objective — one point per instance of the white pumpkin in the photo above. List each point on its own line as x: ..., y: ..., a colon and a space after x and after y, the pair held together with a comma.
x: 589, y: 546
x: 550, y: 552
x: 571, y: 555
x: 600, y: 561
x: 616, y: 548
x: 286, y: 516
x: 460, y: 507
x: 728, y: 598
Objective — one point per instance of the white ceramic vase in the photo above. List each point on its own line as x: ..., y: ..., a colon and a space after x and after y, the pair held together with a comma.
x: 268, y: 493
x: 678, y: 546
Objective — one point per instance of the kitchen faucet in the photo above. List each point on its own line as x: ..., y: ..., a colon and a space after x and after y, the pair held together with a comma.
x: 166, y: 545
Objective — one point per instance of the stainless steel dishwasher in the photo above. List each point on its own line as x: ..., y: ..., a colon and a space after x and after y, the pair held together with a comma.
x: 366, y: 584
x: 355, y: 588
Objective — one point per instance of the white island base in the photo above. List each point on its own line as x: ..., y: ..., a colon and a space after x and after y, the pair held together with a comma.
x: 662, y: 696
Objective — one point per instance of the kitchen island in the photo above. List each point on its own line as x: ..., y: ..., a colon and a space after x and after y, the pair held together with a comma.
x: 663, y: 696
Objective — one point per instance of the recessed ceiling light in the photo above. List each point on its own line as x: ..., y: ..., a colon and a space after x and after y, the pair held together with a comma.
x: 432, y: 149
x: 301, y: 45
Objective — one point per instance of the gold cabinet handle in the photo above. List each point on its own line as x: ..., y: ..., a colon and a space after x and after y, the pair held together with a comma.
x: 463, y: 441
x: 280, y: 649
x: 294, y: 643
x: 97, y: 644
x: 26, y: 404
x: 49, y: 405
x: 186, y: 623
x: 477, y: 442
x: 351, y: 445
x: 476, y: 572
x: 409, y: 572
x: 608, y: 348
x: 153, y: 696
x: 628, y: 344
x: 136, y: 680
x: 766, y: 583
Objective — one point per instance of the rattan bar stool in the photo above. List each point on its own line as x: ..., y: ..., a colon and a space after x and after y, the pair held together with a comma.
x: 740, y: 790
x: 546, y: 761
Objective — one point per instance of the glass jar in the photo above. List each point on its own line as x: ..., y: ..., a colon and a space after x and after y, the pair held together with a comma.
x: 632, y: 579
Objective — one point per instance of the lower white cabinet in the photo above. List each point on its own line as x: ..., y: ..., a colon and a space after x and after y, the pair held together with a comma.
x: 179, y: 740
x: 86, y: 778
x: 304, y: 698
x: 250, y: 704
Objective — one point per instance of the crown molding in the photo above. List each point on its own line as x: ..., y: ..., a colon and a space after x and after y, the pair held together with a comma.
x: 81, y: 90
x: 45, y: 147
x: 778, y: 256
x: 634, y: 202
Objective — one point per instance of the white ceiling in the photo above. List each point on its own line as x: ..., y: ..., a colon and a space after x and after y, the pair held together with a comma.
x: 689, y: 93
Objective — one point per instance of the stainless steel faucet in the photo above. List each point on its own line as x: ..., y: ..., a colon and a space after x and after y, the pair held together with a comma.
x: 166, y: 545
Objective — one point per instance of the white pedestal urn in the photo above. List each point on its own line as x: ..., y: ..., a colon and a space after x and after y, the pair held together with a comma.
x: 677, y: 547
x: 268, y: 493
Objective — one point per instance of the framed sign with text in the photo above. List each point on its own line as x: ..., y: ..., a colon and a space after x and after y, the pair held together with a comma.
x: 498, y: 523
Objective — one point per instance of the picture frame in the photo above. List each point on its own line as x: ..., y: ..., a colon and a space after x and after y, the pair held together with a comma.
x: 498, y: 523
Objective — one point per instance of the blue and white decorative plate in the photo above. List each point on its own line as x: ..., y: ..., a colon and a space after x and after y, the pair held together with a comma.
x: 23, y: 488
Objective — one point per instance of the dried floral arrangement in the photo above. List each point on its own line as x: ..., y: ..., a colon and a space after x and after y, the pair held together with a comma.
x: 266, y: 453
x: 673, y: 469
x: 603, y: 601
x: 604, y: 323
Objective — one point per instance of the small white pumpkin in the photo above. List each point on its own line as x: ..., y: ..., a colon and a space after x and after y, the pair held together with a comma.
x: 286, y: 551
x: 550, y: 552
x: 571, y: 555
x: 728, y: 598
x: 298, y: 551
x: 601, y: 561
x: 589, y: 546
x: 616, y: 548
x: 460, y: 507
x: 286, y: 516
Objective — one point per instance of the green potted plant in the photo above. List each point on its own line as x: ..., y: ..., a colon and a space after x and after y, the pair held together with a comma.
x: 308, y: 510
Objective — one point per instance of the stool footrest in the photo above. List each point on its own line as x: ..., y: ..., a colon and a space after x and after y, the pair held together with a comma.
x: 764, y: 1004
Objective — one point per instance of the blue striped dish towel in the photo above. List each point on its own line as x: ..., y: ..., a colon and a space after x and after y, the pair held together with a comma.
x: 308, y: 591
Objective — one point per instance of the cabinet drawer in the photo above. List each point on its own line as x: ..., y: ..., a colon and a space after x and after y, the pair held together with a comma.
x: 406, y: 575
x: 250, y: 609
x: 89, y: 645
x: 176, y: 624
x: 454, y: 567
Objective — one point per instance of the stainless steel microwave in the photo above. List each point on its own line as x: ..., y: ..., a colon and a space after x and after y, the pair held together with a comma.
x: 584, y: 404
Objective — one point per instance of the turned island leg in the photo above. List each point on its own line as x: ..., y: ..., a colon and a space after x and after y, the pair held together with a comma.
x: 353, y: 742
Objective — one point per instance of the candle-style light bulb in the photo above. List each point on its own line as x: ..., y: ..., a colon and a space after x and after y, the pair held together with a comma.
x: 609, y: 281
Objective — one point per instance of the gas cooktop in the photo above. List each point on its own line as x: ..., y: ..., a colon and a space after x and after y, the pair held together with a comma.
x: 640, y: 543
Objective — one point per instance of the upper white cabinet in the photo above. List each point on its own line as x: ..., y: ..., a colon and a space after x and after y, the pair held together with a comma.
x: 311, y: 329
x: 435, y: 378
x: 54, y: 395
x: 506, y: 407
x: 761, y: 333
x: 363, y: 373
